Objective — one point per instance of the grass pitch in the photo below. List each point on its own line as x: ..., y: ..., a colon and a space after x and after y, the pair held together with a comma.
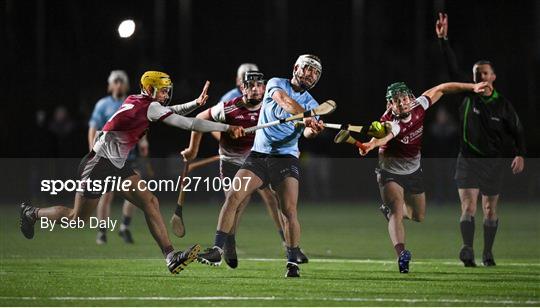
x: 352, y: 263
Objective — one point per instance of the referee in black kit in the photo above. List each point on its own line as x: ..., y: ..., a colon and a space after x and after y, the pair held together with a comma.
x: 488, y: 123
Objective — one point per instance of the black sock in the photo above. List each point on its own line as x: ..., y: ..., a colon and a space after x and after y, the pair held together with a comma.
x: 126, y: 220
x: 291, y: 254
x: 220, y: 239
x: 467, y: 230
x: 490, y: 229
x: 103, y: 230
x: 167, y: 250
x: 282, y: 235
x: 399, y: 247
x: 231, y: 240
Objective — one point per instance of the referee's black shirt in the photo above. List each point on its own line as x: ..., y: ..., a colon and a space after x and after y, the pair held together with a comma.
x: 487, y: 123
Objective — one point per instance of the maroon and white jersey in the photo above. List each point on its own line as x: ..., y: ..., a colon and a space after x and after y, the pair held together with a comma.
x: 235, y: 112
x: 127, y: 126
x: 401, y: 155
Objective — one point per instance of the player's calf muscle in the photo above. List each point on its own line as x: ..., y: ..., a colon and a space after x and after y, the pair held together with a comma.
x: 234, y: 199
x: 56, y: 212
x: 418, y: 217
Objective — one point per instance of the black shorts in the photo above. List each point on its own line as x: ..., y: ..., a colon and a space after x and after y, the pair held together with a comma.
x: 97, y: 168
x: 478, y: 172
x: 227, y: 169
x: 272, y: 169
x: 411, y: 183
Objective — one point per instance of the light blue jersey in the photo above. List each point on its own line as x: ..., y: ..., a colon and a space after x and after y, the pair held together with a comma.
x: 281, y: 139
x: 229, y: 96
x: 103, y: 110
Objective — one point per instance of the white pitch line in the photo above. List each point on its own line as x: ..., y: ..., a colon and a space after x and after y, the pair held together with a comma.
x: 270, y: 298
x: 365, y: 261
x: 369, y: 261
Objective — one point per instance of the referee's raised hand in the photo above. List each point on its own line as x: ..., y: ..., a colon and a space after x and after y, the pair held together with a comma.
x: 441, y: 26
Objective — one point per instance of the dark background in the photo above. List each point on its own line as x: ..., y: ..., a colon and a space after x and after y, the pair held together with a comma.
x: 60, y: 53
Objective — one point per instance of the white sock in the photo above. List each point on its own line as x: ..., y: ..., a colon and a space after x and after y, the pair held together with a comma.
x: 219, y: 249
x: 123, y: 227
x: 169, y: 257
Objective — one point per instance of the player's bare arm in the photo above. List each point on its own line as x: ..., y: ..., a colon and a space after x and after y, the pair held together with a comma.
x: 191, y: 152
x: 91, y: 136
x: 184, y: 109
x: 203, y: 126
x: 201, y: 100
x: 374, y: 143
x: 143, y: 146
x: 292, y: 107
x: 287, y: 103
x: 437, y: 92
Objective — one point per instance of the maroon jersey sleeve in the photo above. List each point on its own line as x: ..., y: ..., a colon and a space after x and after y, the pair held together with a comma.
x: 234, y: 112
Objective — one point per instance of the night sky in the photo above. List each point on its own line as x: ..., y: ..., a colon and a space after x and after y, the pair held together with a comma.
x: 59, y: 53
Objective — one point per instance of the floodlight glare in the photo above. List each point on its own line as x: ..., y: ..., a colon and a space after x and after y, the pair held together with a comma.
x: 126, y: 28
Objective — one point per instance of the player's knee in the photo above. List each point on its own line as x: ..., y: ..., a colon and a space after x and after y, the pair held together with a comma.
x: 396, y: 207
x: 489, y: 211
x: 291, y: 218
x: 290, y: 213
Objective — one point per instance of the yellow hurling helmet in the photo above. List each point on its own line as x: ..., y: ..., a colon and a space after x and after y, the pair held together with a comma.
x: 156, y: 80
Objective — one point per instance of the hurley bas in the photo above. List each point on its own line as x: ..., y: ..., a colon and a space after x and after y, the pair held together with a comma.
x: 66, y: 223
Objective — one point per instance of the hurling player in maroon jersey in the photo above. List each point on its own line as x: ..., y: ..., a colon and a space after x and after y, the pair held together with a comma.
x: 399, y: 173
x: 107, y: 162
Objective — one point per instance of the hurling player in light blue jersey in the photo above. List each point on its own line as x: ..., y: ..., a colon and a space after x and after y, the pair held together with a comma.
x: 274, y: 158
x: 280, y: 139
x: 118, y: 87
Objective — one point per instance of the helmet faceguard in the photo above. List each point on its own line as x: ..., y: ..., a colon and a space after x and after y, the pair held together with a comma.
x: 302, y: 62
x: 251, y: 78
x: 157, y: 81
x: 244, y: 68
x: 394, y: 92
